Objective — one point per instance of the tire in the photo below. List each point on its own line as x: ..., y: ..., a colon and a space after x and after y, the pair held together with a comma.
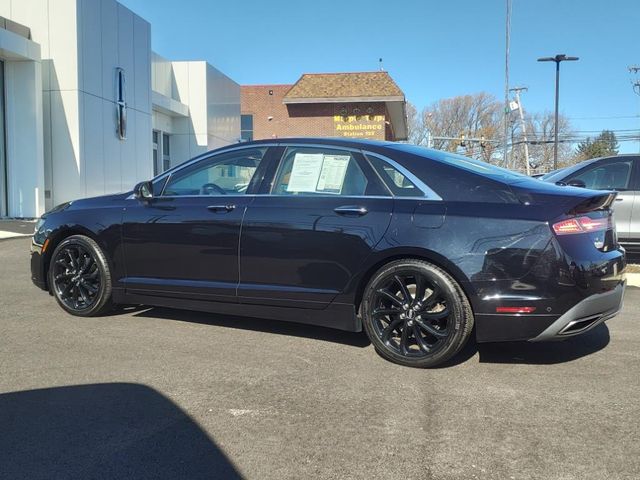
x: 80, y: 278
x: 416, y: 314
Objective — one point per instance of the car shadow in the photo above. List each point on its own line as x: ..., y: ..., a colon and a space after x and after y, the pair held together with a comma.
x: 533, y: 353
x: 546, y: 353
x: 112, y: 430
x: 354, y: 339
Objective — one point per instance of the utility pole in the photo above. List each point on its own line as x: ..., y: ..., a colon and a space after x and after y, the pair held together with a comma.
x: 506, y: 84
x: 523, y: 126
x: 635, y: 83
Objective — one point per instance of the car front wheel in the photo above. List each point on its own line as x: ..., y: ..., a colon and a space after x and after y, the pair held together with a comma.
x: 416, y: 314
x: 79, y: 277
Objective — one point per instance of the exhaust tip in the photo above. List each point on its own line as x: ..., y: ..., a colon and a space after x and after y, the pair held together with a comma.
x: 580, y: 325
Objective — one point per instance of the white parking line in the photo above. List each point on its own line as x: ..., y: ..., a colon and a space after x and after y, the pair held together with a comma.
x: 4, y: 234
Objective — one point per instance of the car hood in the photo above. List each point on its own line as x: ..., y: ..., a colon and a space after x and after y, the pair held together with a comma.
x: 101, y: 201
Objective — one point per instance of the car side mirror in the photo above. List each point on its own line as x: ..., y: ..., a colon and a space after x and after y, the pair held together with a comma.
x: 143, y: 190
x: 576, y: 183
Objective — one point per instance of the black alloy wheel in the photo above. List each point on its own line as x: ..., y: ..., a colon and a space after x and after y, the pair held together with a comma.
x: 79, y: 276
x: 415, y: 314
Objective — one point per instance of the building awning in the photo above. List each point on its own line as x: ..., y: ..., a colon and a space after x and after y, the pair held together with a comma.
x: 169, y: 106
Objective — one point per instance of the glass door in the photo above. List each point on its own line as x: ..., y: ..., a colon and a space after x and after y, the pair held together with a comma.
x: 161, y: 152
x: 157, y: 170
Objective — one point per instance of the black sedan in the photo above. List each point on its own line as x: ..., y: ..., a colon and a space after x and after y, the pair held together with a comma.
x: 416, y: 246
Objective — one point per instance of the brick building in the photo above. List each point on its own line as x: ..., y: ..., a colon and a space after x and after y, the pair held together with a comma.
x: 356, y: 105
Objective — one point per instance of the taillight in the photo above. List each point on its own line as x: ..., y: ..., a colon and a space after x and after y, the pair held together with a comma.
x: 582, y: 225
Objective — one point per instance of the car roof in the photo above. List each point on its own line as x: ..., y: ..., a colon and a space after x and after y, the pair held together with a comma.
x: 337, y: 141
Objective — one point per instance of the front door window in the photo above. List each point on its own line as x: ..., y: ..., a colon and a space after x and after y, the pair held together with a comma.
x: 224, y: 174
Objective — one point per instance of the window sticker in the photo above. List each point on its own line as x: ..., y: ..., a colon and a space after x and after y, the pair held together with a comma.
x: 334, y: 169
x: 305, y: 172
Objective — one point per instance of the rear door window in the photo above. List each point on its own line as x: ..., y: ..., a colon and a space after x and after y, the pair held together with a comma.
x: 317, y: 171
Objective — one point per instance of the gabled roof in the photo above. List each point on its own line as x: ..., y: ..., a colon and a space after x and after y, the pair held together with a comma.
x: 341, y: 87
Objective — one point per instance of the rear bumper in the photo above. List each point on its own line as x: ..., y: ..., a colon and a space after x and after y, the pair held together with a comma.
x: 570, y: 293
x: 585, y: 315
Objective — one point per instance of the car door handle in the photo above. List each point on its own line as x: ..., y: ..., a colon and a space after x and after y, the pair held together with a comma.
x: 619, y: 199
x: 351, y: 210
x: 221, y: 208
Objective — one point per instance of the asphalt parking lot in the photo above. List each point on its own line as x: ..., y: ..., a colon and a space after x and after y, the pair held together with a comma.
x: 158, y: 393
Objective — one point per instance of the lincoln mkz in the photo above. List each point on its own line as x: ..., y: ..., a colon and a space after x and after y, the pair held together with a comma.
x: 420, y: 248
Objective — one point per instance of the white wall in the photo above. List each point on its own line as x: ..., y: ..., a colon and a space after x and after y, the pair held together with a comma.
x: 223, y: 109
x: 82, y: 43
x: 112, y: 36
x: 213, y: 100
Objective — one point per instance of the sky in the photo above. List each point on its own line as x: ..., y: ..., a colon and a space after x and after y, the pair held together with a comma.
x: 432, y: 49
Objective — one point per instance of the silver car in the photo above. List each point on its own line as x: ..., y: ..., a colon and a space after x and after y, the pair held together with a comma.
x: 620, y: 173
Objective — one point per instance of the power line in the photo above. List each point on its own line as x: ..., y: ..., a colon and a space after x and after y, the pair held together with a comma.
x: 613, y: 117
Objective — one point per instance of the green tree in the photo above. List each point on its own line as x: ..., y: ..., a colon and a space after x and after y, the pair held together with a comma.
x: 603, y: 145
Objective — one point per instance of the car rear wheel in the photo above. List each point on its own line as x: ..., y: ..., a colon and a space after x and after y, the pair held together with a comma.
x: 79, y: 277
x: 416, y: 314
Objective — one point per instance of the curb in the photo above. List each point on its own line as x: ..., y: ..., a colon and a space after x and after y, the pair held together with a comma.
x: 633, y: 279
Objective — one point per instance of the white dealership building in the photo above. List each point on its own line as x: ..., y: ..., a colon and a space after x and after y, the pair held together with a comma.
x: 86, y: 108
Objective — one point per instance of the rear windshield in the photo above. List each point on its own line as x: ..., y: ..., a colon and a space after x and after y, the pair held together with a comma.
x: 471, y: 165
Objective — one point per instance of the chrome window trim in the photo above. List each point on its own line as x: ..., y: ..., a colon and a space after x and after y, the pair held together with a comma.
x: 248, y: 195
x: 429, y: 194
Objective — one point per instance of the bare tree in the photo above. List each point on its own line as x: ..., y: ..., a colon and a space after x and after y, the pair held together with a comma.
x: 478, y: 116
x: 417, y: 131
x: 467, y: 116
x: 540, y: 136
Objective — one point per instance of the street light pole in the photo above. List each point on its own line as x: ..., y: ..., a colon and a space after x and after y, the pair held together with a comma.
x: 558, y: 59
